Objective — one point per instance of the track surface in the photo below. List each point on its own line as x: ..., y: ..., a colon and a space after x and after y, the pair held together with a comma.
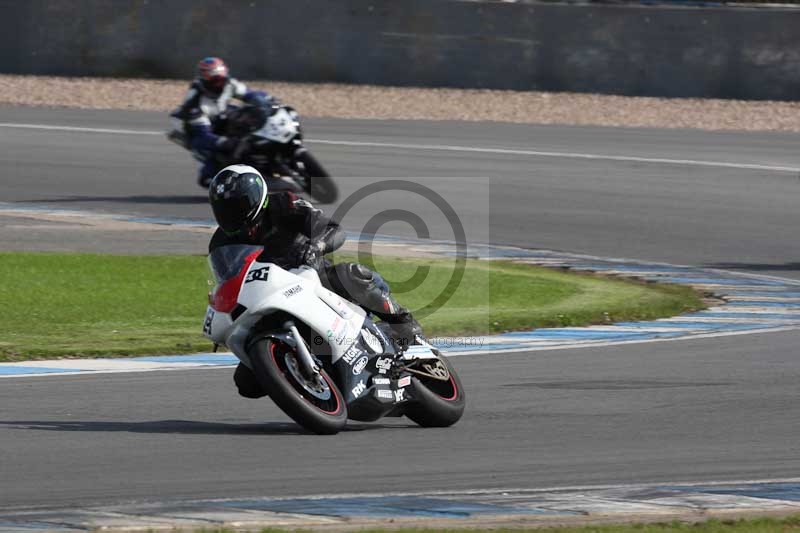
x: 733, y: 218
x: 701, y: 410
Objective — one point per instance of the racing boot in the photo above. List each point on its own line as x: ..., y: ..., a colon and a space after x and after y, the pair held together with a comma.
x: 404, y: 328
x: 206, y: 173
x: 247, y: 383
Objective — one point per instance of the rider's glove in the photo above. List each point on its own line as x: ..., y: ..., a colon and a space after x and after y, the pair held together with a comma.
x: 237, y: 148
x: 310, y: 253
x: 227, y: 145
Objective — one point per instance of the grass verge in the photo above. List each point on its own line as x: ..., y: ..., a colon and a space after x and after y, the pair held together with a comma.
x: 790, y: 524
x: 88, y: 305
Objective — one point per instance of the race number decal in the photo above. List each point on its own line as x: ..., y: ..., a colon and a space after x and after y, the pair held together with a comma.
x: 207, y: 322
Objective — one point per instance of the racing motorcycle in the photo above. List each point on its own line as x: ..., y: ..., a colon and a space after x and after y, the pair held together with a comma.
x: 319, y: 357
x: 271, y: 140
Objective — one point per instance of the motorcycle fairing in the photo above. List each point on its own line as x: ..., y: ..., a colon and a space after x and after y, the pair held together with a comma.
x: 362, y: 357
x: 280, y: 127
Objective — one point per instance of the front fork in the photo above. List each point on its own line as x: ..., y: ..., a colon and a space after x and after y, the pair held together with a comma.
x: 308, y: 366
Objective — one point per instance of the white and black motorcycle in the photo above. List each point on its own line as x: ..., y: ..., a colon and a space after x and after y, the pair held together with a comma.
x: 272, y: 142
x: 320, y: 358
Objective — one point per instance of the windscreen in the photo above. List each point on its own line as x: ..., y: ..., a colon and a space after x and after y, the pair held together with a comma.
x: 226, y: 262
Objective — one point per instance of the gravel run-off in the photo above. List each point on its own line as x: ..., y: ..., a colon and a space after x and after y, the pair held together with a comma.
x: 372, y: 102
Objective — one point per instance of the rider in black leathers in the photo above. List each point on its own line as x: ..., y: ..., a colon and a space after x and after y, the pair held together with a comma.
x: 294, y: 233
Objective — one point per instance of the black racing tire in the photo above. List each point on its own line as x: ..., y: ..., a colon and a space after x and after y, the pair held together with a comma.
x: 321, y: 188
x: 324, y: 417
x: 437, y: 403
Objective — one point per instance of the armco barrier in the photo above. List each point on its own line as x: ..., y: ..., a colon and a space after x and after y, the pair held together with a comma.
x: 724, y: 52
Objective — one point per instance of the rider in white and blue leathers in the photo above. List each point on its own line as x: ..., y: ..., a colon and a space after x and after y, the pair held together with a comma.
x: 203, y: 113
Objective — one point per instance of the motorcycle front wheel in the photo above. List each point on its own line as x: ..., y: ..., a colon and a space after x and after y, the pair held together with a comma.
x: 316, y: 404
x: 438, y: 403
x: 321, y: 186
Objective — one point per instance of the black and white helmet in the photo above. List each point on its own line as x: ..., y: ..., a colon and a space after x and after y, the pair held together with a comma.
x: 238, y: 197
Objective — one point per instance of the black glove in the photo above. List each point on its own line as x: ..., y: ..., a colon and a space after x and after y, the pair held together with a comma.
x: 242, y: 149
x: 310, y: 253
x: 226, y: 145
x: 237, y: 148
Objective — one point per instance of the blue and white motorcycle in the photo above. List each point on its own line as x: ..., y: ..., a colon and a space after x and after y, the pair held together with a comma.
x: 271, y: 140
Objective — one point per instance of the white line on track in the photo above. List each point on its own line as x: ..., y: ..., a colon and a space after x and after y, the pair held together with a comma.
x: 602, y: 344
x: 565, y: 155
x: 78, y: 129
x: 455, y: 148
x: 510, y: 489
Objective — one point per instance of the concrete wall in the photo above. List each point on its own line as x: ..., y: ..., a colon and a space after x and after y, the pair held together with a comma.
x: 633, y: 50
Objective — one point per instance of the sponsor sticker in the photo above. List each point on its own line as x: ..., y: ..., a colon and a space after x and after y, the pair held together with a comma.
x: 338, y: 331
x: 259, y: 274
x: 292, y: 291
x: 384, y: 393
x: 343, y: 309
x: 372, y: 342
x: 383, y: 337
x: 383, y: 364
x: 404, y: 382
x: 399, y: 395
x: 359, y: 388
x: 381, y: 381
x: 351, y: 354
x: 360, y: 365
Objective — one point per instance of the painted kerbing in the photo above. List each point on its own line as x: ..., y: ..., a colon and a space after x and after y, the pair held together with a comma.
x: 617, y: 503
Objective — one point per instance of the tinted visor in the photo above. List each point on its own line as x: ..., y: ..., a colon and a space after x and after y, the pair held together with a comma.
x: 214, y: 84
x: 237, y: 209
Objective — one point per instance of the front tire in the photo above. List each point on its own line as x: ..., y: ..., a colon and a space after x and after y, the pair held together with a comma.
x: 437, y: 403
x: 321, y: 186
x: 319, y: 407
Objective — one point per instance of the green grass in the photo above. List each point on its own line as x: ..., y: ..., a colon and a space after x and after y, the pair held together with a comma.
x: 789, y: 524
x: 499, y: 296
x: 84, y: 305
x: 752, y: 525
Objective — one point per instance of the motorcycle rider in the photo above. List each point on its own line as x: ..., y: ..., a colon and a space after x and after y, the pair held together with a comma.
x: 203, y: 113
x: 294, y: 233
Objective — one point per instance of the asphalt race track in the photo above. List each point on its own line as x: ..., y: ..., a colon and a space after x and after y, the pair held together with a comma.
x: 701, y: 410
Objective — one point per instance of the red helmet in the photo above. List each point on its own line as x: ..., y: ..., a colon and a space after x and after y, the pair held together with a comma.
x: 213, y: 74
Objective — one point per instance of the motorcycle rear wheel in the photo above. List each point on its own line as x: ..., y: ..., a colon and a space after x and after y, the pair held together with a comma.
x: 321, y: 187
x: 317, y: 406
x: 437, y: 403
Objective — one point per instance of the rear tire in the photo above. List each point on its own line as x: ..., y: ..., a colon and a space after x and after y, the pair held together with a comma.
x: 437, y: 403
x: 321, y: 186
x: 272, y: 360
